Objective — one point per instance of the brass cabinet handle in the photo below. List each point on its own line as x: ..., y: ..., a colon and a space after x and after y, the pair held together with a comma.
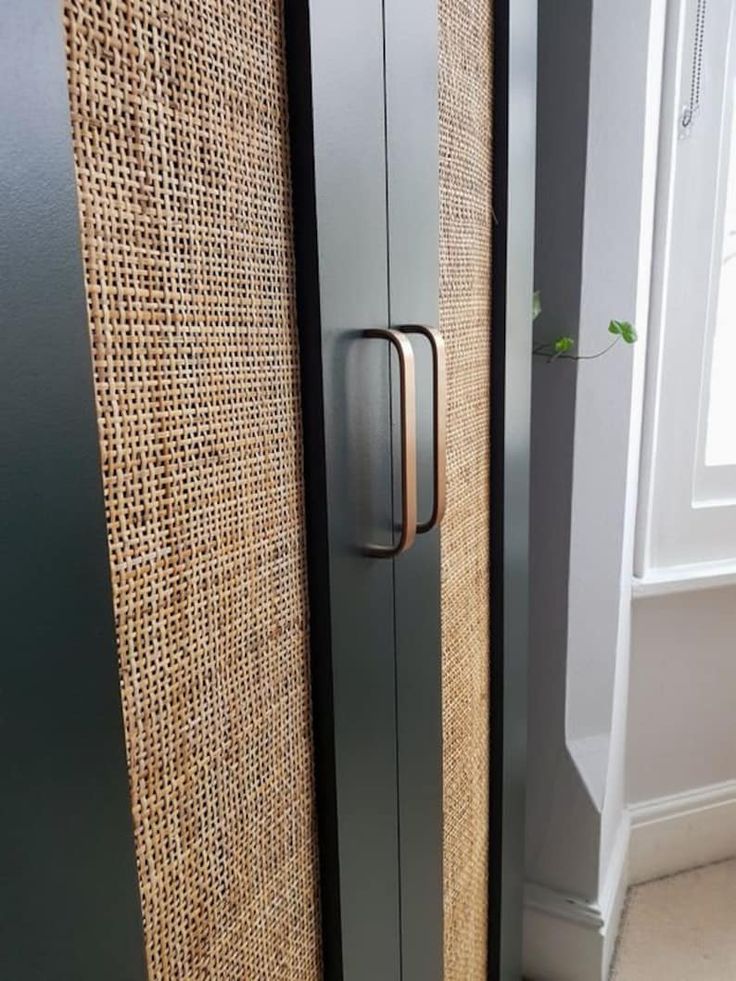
x: 439, y: 421
x: 407, y: 388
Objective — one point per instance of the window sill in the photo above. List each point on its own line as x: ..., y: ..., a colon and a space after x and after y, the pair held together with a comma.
x: 684, y: 579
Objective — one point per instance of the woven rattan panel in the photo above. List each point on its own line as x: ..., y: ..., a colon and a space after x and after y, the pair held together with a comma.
x: 180, y: 135
x: 465, y: 276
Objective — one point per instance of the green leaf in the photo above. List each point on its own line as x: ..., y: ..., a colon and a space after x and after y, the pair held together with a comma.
x: 624, y: 330
x: 563, y: 344
x: 536, y: 304
x: 628, y: 333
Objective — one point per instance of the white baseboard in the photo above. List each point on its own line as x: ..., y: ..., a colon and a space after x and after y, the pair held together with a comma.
x: 672, y: 834
x: 570, y: 939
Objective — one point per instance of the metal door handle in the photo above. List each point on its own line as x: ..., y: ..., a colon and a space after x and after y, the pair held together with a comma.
x: 407, y: 398
x: 439, y: 421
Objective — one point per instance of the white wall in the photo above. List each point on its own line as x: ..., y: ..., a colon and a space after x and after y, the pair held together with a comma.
x: 599, y: 78
x: 629, y: 702
x: 682, y: 695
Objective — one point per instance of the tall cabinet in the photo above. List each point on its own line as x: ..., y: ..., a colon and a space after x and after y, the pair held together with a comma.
x: 266, y: 275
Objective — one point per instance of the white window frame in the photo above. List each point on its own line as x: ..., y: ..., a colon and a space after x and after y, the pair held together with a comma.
x: 687, y: 511
x: 716, y: 486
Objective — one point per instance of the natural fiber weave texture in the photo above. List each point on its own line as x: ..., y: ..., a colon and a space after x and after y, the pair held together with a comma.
x: 465, y: 301
x: 180, y: 136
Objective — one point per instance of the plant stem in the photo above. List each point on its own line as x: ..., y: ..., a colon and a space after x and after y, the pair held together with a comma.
x: 543, y: 351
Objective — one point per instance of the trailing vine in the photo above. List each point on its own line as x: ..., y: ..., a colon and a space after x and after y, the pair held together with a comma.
x: 561, y: 347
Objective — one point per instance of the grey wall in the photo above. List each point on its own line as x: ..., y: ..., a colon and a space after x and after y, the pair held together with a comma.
x: 599, y: 78
x: 562, y: 823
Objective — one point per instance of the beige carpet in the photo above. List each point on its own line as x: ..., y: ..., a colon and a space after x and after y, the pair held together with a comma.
x: 682, y: 928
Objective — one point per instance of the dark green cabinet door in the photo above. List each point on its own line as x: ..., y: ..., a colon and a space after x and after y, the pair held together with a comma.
x: 69, y: 905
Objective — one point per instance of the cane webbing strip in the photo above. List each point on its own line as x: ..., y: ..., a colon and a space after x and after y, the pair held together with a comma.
x: 180, y: 136
x: 465, y: 277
